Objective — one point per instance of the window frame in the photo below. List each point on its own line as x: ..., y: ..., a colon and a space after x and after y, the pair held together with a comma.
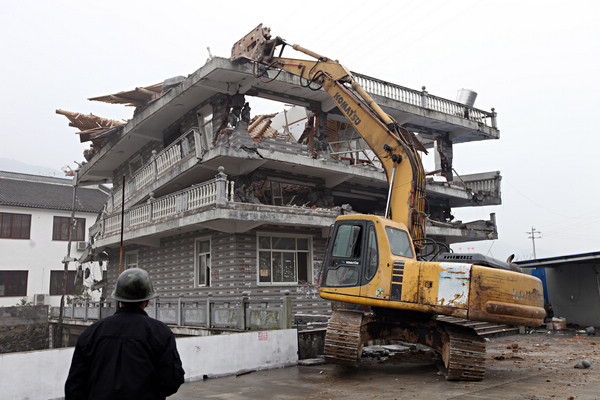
x: 77, y: 233
x: 208, y: 262
x: 127, y: 264
x: 11, y: 226
x: 8, y: 280
x: 308, y: 252
x: 405, y: 238
x: 55, y: 288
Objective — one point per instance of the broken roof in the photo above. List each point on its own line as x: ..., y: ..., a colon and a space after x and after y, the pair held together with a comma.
x: 138, y: 97
x: 90, y: 125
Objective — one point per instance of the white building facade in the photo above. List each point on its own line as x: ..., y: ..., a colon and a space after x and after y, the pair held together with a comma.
x: 35, y: 213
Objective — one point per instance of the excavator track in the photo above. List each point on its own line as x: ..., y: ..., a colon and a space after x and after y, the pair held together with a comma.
x: 463, y: 354
x: 461, y: 349
x: 343, y: 342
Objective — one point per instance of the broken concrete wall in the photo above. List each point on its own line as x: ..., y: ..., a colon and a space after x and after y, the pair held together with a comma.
x: 125, y: 169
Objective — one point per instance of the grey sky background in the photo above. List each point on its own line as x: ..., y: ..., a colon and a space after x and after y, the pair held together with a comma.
x: 535, y: 62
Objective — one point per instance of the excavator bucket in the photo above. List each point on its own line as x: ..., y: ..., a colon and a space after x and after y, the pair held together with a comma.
x: 255, y: 46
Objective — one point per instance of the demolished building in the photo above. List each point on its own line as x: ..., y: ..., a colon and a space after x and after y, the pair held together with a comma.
x: 212, y: 200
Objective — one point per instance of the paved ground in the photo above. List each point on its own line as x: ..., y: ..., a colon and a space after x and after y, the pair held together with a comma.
x: 530, y: 366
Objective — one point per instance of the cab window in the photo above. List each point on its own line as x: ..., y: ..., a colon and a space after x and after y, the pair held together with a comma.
x: 372, y: 261
x: 347, y: 241
x: 399, y: 242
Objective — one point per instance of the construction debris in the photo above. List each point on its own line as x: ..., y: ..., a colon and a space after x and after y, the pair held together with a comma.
x: 91, y: 128
x: 138, y: 97
x: 583, y: 364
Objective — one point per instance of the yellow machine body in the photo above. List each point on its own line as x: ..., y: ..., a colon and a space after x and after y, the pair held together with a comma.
x: 401, y: 282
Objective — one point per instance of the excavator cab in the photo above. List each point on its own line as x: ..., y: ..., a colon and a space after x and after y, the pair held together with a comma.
x: 362, y: 258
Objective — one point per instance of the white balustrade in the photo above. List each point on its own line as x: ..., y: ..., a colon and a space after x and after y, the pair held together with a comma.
x: 112, y: 224
x: 168, y: 158
x: 144, y: 176
x: 164, y: 207
x: 416, y: 98
x: 139, y: 215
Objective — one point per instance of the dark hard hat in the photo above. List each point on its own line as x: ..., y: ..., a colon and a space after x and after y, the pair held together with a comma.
x: 133, y: 285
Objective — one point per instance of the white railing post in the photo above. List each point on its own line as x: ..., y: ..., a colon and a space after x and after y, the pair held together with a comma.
x: 423, y: 97
x: 221, y: 181
x: 150, y: 203
x: 494, y: 121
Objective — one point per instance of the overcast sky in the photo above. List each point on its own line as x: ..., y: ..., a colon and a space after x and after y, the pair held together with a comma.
x: 536, y: 62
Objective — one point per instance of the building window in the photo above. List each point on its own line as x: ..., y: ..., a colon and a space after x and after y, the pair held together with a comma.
x: 57, y: 282
x: 13, y: 283
x: 15, y: 226
x: 283, y: 260
x: 202, y: 262
x: 131, y: 259
x: 60, y: 229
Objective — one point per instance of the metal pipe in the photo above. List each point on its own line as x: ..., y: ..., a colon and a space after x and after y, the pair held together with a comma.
x: 389, y: 198
x: 122, y: 226
x: 309, y: 52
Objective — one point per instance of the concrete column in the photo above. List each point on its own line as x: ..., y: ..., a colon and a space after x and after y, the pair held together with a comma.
x: 444, y: 156
x: 494, y: 121
x: 209, y: 311
x: 154, y: 166
x: 221, y: 180
x: 156, y: 308
x: 180, y: 310
x: 198, y: 144
x: 244, y: 309
x: 286, y: 320
x: 150, y: 203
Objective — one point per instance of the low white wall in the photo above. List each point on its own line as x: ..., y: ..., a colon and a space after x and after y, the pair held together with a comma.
x: 227, y: 354
x: 42, y: 374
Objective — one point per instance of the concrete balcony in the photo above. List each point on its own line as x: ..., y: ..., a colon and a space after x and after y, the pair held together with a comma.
x: 432, y: 117
x: 211, y: 205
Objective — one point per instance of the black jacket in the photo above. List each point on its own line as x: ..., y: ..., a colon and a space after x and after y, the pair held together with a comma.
x: 125, y: 356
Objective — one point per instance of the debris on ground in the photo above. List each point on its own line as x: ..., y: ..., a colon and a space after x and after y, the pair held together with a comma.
x: 590, y: 330
x: 311, y: 361
x: 583, y: 364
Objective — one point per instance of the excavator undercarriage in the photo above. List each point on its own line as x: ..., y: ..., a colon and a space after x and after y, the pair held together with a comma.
x: 460, y: 348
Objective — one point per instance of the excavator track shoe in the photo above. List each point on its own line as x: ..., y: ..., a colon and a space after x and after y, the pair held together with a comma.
x: 343, y: 343
x: 463, y: 354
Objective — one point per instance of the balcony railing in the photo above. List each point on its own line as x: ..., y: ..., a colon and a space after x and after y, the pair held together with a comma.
x: 425, y: 100
x: 242, y: 313
x: 216, y: 191
x: 159, y: 164
x: 487, y: 183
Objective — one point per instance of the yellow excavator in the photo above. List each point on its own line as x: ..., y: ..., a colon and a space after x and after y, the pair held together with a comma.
x: 380, y: 286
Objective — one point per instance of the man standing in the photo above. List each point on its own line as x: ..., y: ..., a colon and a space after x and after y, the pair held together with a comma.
x: 127, y: 355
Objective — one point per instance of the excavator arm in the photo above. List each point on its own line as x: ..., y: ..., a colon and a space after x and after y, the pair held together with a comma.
x: 395, y: 147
